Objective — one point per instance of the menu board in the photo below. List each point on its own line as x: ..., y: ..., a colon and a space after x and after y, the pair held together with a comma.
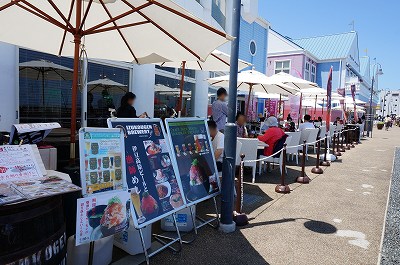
x: 154, y: 186
x: 192, y: 150
x: 102, y: 163
x: 18, y: 163
x: 101, y: 215
x: 31, y: 132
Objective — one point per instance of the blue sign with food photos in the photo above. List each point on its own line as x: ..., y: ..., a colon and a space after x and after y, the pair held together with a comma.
x: 155, y: 188
x: 192, y: 150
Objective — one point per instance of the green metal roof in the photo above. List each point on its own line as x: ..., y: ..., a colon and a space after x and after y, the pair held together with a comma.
x: 328, y: 47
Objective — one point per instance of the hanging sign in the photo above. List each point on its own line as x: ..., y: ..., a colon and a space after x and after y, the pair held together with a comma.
x: 155, y: 187
x: 102, y: 163
x: 192, y: 150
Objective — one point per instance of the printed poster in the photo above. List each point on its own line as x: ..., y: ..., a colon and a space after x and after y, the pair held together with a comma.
x: 154, y: 186
x: 192, y: 150
x: 101, y: 215
x: 18, y: 163
x: 294, y: 103
x: 271, y: 107
x: 102, y: 162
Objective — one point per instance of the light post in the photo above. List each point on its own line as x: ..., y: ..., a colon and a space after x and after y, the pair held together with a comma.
x: 376, y: 72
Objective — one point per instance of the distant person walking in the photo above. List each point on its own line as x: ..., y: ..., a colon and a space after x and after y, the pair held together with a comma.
x: 126, y: 110
x: 388, y: 122
x: 220, y: 109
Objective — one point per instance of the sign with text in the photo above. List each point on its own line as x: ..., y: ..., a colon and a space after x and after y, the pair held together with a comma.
x: 102, y: 160
x: 101, y: 215
x: 155, y: 187
x: 31, y: 133
x: 18, y: 163
x: 192, y: 150
x: 271, y: 107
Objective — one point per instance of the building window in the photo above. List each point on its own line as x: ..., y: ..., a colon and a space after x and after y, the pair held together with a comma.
x: 313, y: 73
x: 218, y: 11
x: 307, y: 71
x: 282, y: 66
x: 253, y: 48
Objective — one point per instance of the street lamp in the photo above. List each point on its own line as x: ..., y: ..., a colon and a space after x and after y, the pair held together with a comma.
x: 376, y: 72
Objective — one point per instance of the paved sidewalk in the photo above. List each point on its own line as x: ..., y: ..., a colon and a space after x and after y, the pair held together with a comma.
x: 336, y: 219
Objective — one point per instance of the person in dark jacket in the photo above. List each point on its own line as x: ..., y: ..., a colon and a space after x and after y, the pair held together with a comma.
x: 126, y: 110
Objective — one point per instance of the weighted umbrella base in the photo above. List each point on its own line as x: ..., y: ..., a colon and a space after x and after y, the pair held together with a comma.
x: 241, y: 219
x: 337, y: 154
x: 303, y: 179
x: 352, y: 146
x: 317, y: 170
x: 342, y: 150
x: 282, y: 189
x: 347, y: 147
x: 325, y: 163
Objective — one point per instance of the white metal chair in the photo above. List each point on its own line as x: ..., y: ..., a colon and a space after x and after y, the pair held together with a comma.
x: 292, y: 149
x: 273, y: 160
x: 249, y: 149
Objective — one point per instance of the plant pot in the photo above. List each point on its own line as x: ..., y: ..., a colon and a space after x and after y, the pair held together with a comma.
x: 380, y: 126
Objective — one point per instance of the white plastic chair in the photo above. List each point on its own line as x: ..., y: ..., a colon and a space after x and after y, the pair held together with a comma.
x: 332, y: 130
x: 249, y: 149
x: 273, y: 160
x: 292, y: 149
x: 312, y: 137
x: 238, y: 152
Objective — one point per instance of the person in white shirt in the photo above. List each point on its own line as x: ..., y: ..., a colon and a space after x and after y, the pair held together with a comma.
x: 307, y: 124
x: 217, y: 139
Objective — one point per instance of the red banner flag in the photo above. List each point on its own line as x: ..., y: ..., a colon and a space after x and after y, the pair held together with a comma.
x: 329, y: 100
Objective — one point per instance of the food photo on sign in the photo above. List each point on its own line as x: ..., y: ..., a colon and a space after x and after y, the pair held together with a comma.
x: 194, y: 156
x: 152, y: 181
x: 102, y: 215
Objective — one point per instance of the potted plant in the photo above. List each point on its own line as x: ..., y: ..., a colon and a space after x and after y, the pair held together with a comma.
x: 380, y: 125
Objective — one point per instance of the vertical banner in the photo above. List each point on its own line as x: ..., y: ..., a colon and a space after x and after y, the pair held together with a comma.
x: 153, y: 183
x: 192, y: 149
x: 353, y: 95
x: 271, y: 107
x: 342, y: 92
x: 294, y: 103
x: 329, y: 100
x: 252, y: 111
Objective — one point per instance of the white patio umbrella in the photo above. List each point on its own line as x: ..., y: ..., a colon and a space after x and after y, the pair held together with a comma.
x: 292, y: 81
x: 216, y: 61
x: 45, y: 70
x: 254, y: 81
x: 108, y: 84
x: 164, y: 90
x: 270, y: 96
x: 141, y: 31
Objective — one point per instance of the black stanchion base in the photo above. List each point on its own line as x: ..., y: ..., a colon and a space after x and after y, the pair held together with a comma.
x: 282, y: 189
x: 241, y: 219
x: 325, y: 163
x: 347, y: 147
x: 352, y: 146
x: 342, y: 150
x: 317, y: 170
x: 337, y: 154
x: 303, y: 179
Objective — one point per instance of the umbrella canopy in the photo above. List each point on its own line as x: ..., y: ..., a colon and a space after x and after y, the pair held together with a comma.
x: 349, y: 100
x: 107, y: 84
x: 216, y: 61
x: 141, y: 31
x: 42, y: 69
x: 292, y: 81
x: 350, y: 108
x: 270, y: 96
x: 165, y: 90
x: 312, y: 93
x: 307, y: 103
x: 254, y: 81
x: 45, y: 70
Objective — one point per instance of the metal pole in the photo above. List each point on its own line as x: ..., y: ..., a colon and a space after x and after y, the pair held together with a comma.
x: 227, y: 225
x: 182, y: 84
x: 370, y: 107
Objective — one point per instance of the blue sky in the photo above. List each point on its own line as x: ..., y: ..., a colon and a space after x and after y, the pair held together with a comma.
x: 377, y: 23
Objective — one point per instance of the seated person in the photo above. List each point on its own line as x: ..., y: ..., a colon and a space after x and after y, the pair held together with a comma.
x: 217, y: 139
x: 337, y: 121
x: 271, y: 136
x: 265, y: 125
x: 241, y: 125
x: 320, y: 119
x: 290, y: 125
x: 307, y: 124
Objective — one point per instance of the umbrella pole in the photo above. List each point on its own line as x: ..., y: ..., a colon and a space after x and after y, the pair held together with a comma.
x: 77, y: 43
x: 315, y: 105
x: 248, y: 100
x: 228, y: 173
x: 300, y: 105
x: 43, y: 87
x: 182, y: 83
